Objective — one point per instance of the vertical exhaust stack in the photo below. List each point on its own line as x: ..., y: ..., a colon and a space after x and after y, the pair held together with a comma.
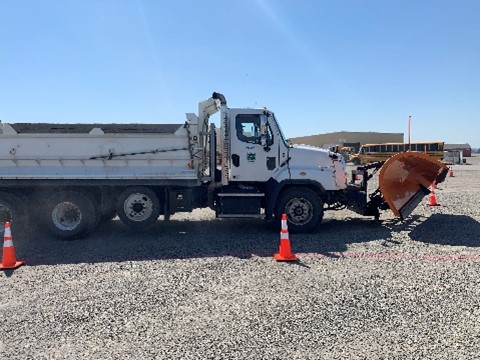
x: 225, y: 137
x: 218, y: 96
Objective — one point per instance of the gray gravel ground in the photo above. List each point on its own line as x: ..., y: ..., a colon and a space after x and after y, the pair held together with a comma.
x: 198, y: 287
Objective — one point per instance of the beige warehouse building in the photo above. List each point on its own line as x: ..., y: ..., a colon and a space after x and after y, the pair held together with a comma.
x: 347, y: 138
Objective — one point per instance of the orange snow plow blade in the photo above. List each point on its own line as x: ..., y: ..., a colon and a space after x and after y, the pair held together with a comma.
x: 404, y: 180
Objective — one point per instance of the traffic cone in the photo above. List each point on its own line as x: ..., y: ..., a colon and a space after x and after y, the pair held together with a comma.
x: 432, y: 201
x: 8, y: 258
x: 450, y: 173
x: 284, y: 252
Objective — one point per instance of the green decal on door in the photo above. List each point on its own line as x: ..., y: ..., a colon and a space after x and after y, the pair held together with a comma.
x: 251, y: 157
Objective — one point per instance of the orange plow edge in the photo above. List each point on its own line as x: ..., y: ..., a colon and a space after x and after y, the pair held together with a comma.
x: 404, y: 180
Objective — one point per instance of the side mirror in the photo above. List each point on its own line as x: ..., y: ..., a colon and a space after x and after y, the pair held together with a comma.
x: 263, y: 140
x: 263, y: 120
x: 263, y: 125
x: 264, y: 143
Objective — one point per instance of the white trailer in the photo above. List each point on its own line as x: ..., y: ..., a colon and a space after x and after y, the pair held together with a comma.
x: 72, y: 176
x: 453, y: 157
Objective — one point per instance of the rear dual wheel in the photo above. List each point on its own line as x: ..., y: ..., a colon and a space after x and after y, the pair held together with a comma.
x: 73, y: 214
x: 11, y: 210
x: 69, y: 214
x: 138, y: 207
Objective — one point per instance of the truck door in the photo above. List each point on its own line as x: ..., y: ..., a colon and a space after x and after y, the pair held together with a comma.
x: 254, y: 148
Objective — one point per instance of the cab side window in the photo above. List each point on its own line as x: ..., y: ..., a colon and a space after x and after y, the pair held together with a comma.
x: 248, y: 128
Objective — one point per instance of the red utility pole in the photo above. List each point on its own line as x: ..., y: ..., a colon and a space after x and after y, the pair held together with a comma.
x: 409, y: 132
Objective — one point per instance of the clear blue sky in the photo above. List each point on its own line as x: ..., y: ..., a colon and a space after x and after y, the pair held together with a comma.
x: 321, y: 66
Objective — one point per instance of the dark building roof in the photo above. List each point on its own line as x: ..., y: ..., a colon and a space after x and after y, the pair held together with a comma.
x: 456, y: 146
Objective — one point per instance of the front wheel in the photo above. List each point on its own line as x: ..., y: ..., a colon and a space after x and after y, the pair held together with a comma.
x: 138, y: 207
x: 303, y: 207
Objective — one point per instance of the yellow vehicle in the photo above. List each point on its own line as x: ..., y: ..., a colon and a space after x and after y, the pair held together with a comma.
x: 380, y: 152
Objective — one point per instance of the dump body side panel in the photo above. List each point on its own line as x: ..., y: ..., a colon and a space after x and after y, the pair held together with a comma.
x: 95, y: 151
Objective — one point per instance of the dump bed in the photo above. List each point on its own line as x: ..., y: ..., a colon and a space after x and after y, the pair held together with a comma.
x: 96, y: 151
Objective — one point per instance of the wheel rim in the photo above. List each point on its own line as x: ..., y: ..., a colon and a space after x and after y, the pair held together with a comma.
x: 138, y: 207
x: 66, y: 216
x: 299, y: 211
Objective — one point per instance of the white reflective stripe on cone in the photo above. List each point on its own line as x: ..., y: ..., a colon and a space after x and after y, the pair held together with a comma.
x: 8, y: 243
x: 284, y: 224
x: 284, y: 235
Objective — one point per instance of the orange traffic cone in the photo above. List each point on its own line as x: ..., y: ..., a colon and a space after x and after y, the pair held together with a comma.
x: 432, y: 201
x: 8, y: 259
x: 450, y: 173
x: 284, y: 252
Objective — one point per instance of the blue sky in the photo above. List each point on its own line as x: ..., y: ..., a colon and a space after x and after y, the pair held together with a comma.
x: 321, y: 66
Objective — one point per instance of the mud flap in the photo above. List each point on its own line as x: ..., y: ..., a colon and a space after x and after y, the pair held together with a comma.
x: 404, y: 180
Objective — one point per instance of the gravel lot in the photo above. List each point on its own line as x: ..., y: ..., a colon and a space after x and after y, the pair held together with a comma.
x: 198, y: 287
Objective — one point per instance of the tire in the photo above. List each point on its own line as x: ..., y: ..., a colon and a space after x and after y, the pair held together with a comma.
x: 11, y: 210
x: 138, y: 207
x: 303, y: 207
x: 356, y: 161
x: 69, y: 214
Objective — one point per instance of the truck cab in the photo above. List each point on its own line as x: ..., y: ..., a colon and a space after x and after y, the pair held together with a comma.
x: 264, y: 176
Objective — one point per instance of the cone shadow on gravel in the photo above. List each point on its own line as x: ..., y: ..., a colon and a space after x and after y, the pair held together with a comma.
x: 443, y: 229
x: 335, y: 236
x: 113, y: 242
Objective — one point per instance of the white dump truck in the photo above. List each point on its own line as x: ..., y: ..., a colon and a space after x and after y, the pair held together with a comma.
x: 71, y: 177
